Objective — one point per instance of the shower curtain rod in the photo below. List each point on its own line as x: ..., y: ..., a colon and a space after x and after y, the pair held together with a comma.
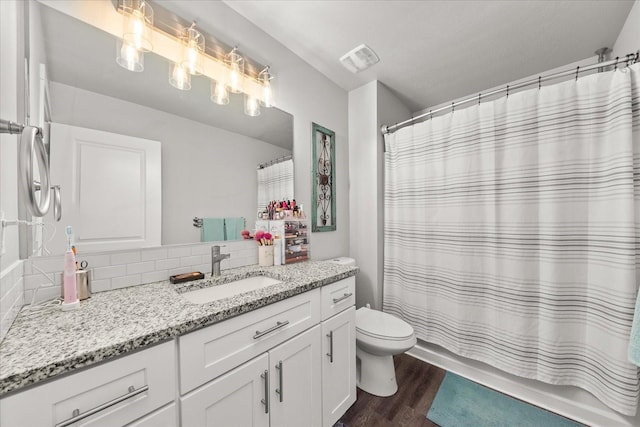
x: 629, y: 59
x: 273, y: 162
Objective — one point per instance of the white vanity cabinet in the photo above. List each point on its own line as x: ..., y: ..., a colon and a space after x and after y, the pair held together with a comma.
x: 279, y: 388
x: 338, y: 350
x: 115, y: 393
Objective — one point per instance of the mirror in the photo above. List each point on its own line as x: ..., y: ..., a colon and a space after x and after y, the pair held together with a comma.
x: 209, y: 153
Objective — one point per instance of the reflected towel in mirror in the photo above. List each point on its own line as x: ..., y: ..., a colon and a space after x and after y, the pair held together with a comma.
x: 212, y: 230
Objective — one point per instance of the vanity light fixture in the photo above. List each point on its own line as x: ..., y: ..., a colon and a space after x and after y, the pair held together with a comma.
x: 136, y: 34
x: 219, y: 93
x: 267, y: 95
x: 235, y: 62
x: 183, y: 46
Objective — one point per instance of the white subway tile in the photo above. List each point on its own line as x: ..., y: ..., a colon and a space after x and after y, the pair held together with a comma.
x: 141, y: 267
x: 125, y: 258
x: 190, y: 260
x: 109, y: 272
x: 95, y: 260
x: 124, y: 281
x: 166, y: 264
x: 48, y: 265
x: 33, y: 281
x: 203, y: 268
x: 100, y: 285
x: 155, y: 276
x: 43, y: 294
x: 204, y: 249
x: 179, y: 252
x: 153, y: 254
x: 26, y: 266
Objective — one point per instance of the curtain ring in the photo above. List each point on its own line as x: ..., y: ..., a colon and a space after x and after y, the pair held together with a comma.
x: 479, y: 96
x: 431, y: 114
x: 539, y: 82
x: 577, y: 71
x: 615, y: 66
x: 453, y: 107
x: 507, y: 91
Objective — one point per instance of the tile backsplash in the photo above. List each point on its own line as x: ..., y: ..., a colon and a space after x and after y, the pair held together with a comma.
x: 11, y: 295
x: 119, y: 269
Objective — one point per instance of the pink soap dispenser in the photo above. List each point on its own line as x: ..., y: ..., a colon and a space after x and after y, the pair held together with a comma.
x: 69, y: 278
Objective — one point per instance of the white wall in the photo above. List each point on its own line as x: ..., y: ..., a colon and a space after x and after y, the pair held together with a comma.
x: 206, y: 171
x: 370, y: 106
x: 629, y: 38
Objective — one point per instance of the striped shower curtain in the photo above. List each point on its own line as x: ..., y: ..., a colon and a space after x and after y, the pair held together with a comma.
x: 510, y: 232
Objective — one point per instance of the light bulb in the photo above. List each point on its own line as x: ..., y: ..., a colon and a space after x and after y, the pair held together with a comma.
x: 193, y: 42
x: 219, y: 93
x: 180, y: 77
x: 137, y: 27
x: 235, y: 63
x: 130, y: 58
x: 251, y: 106
x: 267, y: 95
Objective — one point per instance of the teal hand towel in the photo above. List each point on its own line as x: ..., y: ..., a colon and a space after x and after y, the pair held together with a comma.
x: 212, y: 230
x: 634, y: 341
x: 234, y: 227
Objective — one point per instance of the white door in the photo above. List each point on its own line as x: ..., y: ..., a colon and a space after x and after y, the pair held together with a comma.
x: 338, y: 365
x: 296, y: 389
x: 234, y: 399
x: 111, y: 189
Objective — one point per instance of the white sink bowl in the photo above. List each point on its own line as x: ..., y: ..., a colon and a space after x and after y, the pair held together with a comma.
x: 212, y: 293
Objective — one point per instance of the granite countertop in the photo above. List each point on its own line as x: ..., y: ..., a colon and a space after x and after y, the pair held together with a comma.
x: 112, y: 323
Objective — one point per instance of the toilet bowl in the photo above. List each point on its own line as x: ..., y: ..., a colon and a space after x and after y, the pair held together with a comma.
x: 379, y: 336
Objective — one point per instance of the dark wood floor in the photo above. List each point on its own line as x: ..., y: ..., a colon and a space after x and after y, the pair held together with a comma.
x: 418, y: 383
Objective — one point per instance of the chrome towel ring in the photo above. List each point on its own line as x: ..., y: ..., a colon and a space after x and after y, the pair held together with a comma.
x: 31, y: 144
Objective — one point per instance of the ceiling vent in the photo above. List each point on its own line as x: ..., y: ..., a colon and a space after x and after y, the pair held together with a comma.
x: 359, y: 59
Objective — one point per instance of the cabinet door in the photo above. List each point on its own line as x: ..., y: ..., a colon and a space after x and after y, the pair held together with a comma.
x: 338, y: 365
x: 296, y: 389
x: 235, y: 399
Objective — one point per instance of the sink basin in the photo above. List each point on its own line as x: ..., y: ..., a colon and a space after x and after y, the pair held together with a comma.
x: 212, y: 293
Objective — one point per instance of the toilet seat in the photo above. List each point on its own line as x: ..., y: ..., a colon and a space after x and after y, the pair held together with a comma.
x: 376, y: 324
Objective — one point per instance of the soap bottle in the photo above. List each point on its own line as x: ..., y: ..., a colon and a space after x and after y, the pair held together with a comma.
x: 69, y: 276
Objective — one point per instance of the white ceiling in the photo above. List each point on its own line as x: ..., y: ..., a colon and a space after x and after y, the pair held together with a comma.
x: 435, y: 51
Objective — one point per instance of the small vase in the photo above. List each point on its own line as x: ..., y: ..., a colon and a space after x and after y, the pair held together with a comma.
x: 265, y: 256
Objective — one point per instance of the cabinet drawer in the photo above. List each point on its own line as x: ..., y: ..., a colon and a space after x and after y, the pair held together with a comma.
x: 207, y: 353
x: 164, y: 417
x: 103, y: 393
x: 338, y: 296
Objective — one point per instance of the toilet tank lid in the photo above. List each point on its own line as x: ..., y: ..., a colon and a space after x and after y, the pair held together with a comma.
x: 343, y: 260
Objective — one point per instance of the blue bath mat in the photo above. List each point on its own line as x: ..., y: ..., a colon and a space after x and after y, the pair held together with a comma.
x: 463, y: 403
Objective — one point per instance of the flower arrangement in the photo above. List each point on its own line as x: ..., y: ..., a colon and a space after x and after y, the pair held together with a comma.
x: 263, y: 238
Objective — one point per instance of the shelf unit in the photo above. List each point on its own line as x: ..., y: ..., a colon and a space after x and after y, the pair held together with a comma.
x: 296, y: 240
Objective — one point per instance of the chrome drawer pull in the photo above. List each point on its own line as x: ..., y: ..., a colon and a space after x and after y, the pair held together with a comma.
x: 280, y: 390
x: 265, y: 401
x: 342, y: 298
x: 278, y: 325
x: 77, y: 416
x: 330, y: 354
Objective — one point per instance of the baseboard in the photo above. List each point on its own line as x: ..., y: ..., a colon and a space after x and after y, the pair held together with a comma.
x: 567, y: 401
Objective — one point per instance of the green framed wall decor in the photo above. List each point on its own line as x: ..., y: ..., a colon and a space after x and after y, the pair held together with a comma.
x: 323, y: 212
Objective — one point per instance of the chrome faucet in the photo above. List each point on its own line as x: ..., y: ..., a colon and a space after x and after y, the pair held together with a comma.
x: 216, y: 258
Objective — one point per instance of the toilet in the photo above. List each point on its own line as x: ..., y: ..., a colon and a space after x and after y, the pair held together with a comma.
x: 379, y: 336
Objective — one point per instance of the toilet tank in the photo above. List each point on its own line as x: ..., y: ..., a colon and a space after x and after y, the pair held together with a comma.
x: 343, y: 260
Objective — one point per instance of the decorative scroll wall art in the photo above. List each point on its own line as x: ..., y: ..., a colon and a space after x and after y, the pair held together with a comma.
x: 323, y: 213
